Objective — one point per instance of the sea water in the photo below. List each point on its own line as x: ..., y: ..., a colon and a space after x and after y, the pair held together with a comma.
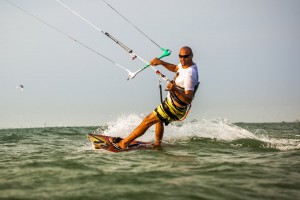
x: 199, y: 159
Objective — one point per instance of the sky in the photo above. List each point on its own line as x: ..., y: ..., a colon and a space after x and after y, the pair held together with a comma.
x: 247, y: 53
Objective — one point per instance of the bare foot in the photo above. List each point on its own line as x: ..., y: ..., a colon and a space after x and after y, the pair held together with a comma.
x: 156, y: 144
x: 122, y: 145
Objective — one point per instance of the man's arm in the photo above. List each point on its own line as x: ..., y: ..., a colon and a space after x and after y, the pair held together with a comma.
x: 169, y: 66
x: 186, y: 97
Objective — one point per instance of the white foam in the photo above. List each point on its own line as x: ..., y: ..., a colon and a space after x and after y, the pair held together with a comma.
x: 123, y: 126
x: 219, y: 129
x: 281, y: 144
x: 216, y: 129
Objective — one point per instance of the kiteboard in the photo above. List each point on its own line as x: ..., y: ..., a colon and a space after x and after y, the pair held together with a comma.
x: 102, y: 142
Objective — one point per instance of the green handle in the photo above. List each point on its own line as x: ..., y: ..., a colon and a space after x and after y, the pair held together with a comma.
x: 166, y: 52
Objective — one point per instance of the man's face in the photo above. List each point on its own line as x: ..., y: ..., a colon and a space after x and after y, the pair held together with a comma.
x: 185, y: 57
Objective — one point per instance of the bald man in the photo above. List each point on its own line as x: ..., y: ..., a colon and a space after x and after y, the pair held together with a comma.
x: 181, y: 93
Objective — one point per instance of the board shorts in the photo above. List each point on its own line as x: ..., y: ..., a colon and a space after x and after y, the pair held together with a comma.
x: 168, y: 111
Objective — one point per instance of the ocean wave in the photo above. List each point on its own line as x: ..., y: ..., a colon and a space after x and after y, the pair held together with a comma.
x: 216, y: 129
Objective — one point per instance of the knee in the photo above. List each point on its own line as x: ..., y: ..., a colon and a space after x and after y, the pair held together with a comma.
x: 148, y: 121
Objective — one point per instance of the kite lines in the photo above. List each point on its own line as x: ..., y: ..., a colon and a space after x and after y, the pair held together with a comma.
x: 131, y: 75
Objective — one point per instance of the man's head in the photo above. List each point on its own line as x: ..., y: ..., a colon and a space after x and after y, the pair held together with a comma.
x: 186, y: 56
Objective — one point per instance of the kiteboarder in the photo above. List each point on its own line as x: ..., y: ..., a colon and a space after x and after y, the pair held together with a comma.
x: 181, y: 92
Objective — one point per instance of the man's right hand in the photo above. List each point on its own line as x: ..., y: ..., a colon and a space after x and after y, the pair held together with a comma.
x: 155, y: 62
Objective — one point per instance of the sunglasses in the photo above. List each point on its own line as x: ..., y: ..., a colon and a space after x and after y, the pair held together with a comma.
x: 184, y: 56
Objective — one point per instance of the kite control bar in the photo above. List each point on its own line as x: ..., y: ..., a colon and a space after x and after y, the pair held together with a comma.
x: 166, y: 52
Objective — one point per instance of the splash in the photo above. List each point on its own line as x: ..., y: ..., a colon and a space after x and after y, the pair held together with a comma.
x: 219, y: 129
x: 280, y: 144
x: 216, y: 129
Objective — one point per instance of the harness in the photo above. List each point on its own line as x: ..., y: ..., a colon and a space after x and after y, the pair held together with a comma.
x: 174, y: 97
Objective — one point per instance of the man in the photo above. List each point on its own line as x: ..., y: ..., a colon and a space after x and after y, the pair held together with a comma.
x: 180, y: 95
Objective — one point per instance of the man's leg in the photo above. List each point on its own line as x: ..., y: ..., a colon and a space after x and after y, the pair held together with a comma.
x: 140, y: 130
x: 159, y: 133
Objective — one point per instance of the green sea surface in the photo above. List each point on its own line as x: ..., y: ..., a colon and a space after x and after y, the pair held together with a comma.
x: 198, y: 160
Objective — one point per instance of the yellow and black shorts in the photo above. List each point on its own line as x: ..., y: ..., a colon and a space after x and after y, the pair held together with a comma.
x: 168, y: 111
